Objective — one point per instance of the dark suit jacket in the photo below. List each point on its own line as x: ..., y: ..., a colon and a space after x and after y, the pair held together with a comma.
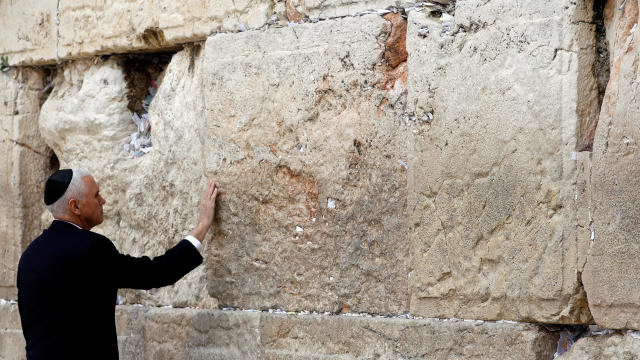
x: 67, y: 287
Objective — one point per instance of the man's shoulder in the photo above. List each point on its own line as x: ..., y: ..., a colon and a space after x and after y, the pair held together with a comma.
x: 58, y: 246
x: 65, y: 235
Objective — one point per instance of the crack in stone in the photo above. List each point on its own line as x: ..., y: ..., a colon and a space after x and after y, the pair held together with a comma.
x: 57, y: 22
x: 27, y: 146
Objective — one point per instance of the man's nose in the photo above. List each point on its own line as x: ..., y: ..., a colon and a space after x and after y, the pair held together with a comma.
x: 102, y: 201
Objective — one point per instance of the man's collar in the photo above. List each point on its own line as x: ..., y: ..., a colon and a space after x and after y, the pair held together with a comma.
x: 69, y: 222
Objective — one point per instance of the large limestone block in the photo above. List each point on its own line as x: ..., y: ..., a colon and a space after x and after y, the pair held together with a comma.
x: 195, y: 334
x: 495, y: 93
x: 151, y: 200
x: 50, y: 31
x: 614, y: 346
x: 89, y: 27
x: 130, y: 322
x: 166, y: 333
x: 87, y: 105
x: 24, y: 165
x: 347, y: 337
x: 611, y: 278
x: 29, y: 31
x: 305, y: 137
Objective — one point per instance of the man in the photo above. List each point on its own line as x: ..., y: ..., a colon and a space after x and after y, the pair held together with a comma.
x: 69, y: 276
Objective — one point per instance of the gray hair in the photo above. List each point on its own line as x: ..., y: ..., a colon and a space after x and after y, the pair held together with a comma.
x: 76, y: 189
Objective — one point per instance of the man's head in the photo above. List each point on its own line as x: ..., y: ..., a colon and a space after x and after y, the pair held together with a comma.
x: 74, y: 196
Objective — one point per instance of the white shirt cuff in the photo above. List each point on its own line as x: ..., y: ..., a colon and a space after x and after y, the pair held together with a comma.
x: 194, y: 241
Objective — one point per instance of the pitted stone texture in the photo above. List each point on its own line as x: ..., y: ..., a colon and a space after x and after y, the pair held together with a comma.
x: 24, y: 165
x: 87, y: 106
x: 160, y: 205
x: 492, y: 179
x: 29, y: 32
x: 195, y: 334
x: 45, y: 32
x: 610, y: 276
x: 130, y: 321
x: 296, y: 10
x: 182, y: 334
x: 151, y: 201
x: 614, y: 346
x: 352, y: 337
x: 164, y: 333
x: 308, y: 150
x: 12, y: 344
x: 88, y: 28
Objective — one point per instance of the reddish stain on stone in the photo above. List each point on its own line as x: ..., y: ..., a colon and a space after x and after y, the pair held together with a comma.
x: 293, y: 15
x: 394, y: 66
x: 304, y: 193
x: 390, y: 76
x: 282, y: 195
x: 272, y: 149
x: 345, y: 308
x: 395, y: 52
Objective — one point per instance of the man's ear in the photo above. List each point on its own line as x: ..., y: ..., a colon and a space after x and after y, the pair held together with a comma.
x: 73, y: 206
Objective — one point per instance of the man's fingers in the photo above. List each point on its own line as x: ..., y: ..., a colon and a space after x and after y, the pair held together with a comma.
x: 212, y: 186
x: 207, y: 191
x: 211, y: 191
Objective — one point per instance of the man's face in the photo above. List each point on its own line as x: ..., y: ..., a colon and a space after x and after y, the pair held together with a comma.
x: 91, y: 204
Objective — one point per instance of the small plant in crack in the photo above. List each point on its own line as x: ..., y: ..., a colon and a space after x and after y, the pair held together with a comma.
x: 4, y: 64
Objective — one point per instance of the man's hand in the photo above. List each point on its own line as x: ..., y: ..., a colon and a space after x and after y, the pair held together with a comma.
x: 207, y: 211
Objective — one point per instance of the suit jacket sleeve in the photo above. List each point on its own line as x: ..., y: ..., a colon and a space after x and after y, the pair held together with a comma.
x: 125, y: 271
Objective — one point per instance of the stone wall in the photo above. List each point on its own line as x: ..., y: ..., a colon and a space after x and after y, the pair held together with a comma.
x: 491, y: 174
x: 24, y: 161
x: 609, y: 277
x: 442, y: 160
x: 305, y: 143
x: 163, y: 333
x: 610, y: 346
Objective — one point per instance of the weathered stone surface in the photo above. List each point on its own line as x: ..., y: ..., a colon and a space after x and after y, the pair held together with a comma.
x: 492, y: 170
x: 29, y: 32
x: 88, y: 28
x: 161, y: 333
x: 346, y: 337
x: 47, y: 32
x: 24, y: 164
x: 130, y: 322
x: 309, y: 163
x: 610, y: 276
x: 194, y: 334
x: 11, y: 340
x: 614, y: 346
x: 304, y: 135
x: 295, y: 10
x: 165, y: 333
x: 151, y: 200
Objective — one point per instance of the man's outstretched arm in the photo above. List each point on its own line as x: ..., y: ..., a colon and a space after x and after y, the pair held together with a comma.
x: 145, y: 273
